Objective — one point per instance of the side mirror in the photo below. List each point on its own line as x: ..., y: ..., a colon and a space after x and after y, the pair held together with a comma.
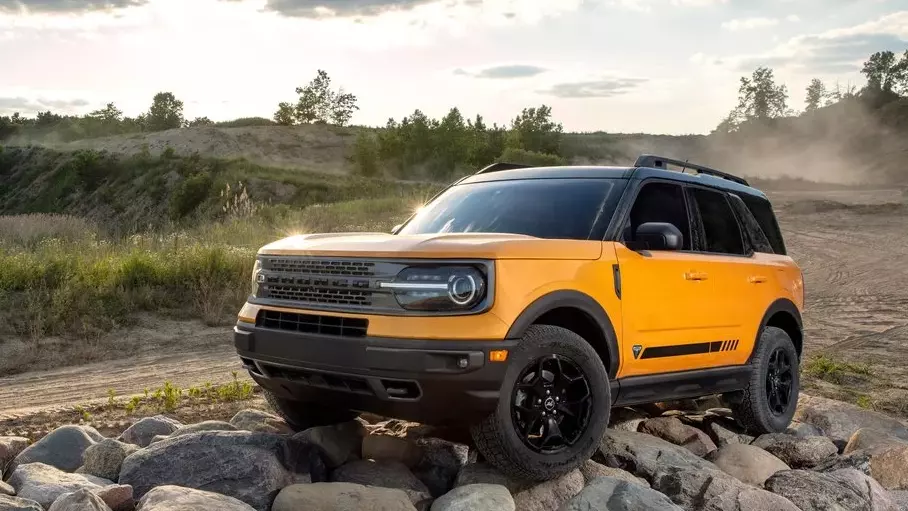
x: 657, y: 236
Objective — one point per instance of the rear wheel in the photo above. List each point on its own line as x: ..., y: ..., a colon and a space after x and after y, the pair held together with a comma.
x: 553, y: 409
x: 771, y: 398
x: 301, y: 415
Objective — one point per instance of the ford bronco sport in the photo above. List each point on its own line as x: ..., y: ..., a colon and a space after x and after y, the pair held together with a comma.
x: 526, y: 302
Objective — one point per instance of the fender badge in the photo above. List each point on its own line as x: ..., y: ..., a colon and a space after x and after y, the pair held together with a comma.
x: 637, y: 349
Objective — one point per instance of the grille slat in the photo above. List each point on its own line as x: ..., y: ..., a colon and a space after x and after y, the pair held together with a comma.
x: 323, y: 267
x: 312, y: 323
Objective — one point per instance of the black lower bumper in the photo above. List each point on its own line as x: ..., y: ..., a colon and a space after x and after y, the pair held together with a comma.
x: 429, y: 381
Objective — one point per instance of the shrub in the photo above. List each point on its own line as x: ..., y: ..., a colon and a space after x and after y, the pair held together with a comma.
x: 189, y: 195
x: 522, y: 156
x: 365, y: 155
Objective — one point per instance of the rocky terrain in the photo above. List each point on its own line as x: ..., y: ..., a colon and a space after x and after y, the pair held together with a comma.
x: 681, y: 455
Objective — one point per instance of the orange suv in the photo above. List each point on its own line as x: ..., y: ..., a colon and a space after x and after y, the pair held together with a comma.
x: 526, y: 302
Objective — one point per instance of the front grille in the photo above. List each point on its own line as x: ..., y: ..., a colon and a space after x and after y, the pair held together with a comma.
x: 323, y: 267
x: 324, y: 296
x: 312, y: 323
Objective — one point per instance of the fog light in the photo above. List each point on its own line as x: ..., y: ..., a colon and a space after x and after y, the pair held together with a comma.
x: 463, y: 363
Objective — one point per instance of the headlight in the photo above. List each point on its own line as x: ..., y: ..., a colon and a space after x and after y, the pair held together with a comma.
x: 256, y: 276
x: 438, y: 288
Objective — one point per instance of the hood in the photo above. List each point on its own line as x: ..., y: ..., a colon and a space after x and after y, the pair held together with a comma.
x: 460, y: 245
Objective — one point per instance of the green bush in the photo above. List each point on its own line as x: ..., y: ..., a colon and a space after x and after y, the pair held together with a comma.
x: 365, y: 155
x: 522, y: 156
x: 192, y: 192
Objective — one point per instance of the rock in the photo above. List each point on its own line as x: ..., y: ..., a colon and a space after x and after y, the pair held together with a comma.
x: 440, y: 463
x: 251, y: 467
x: 866, y: 438
x: 643, y: 455
x: 45, y: 483
x: 6, y: 489
x: 340, y: 497
x: 798, y: 452
x: 475, y: 497
x: 900, y: 497
x: 592, y: 470
x: 484, y: 473
x: 391, y: 448
x: 714, y: 490
x: 104, y: 458
x: 10, y: 447
x: 177, y: 498
x: 61, y: 448
x: 79, y: 500
x: 339, y: 443
x: 260, y: 422
x: 878, y: 498
x: 551, y: 494
x: 118, y: 497
x: 839, y: 420
x: 887, y: 463
x: 747, y: 463
x: 678, y: 433
x: 626, y: 419
x: 386, y: 474
x: 18, y: 504
x: 201, y: 426
x: 721, y: 435
x: 814, y: 491
x: 803, y: 429
x: 147, y: 428
x: 612, y: 494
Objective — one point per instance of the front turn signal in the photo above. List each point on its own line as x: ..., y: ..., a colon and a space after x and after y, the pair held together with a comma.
x: 498, y: 355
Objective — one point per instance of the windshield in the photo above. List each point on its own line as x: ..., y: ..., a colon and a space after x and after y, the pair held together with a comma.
x: 577, y: 209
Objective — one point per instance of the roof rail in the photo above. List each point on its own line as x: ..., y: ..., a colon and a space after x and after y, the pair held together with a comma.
x: 659, y: 162
x: 495, y: 167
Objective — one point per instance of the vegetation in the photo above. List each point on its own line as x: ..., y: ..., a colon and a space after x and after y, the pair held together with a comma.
x: 835, y: 371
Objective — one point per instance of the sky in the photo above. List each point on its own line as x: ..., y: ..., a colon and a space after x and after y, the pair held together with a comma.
x: 654, y: 66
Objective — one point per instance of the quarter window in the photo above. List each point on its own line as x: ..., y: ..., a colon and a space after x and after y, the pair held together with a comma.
x: 721, y: 230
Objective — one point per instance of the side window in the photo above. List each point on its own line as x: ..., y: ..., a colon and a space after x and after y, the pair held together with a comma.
x: 755, y: 234
x: 720, y: 226
x: 762, y: 212
x: 659, y: 202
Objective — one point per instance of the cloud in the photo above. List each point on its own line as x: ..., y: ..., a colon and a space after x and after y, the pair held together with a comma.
x: 600, y: 88
x: 749, y: 23
x: 66, y: 6
x: 504, y: 71
x: 27, y: 106
x: 341, y: 8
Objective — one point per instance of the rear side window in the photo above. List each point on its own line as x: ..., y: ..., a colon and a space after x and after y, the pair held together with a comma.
x: 723, y: 236
x: 762, y: 212
x: 752, y: 229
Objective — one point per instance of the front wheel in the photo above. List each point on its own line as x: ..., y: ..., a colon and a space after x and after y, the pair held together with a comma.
x: 553, y: 409
x: 771, y: 397
x: 301, y: 415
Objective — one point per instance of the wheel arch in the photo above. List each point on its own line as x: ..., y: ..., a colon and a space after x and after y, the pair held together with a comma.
x: 784, y: 314
x: 578, y: 312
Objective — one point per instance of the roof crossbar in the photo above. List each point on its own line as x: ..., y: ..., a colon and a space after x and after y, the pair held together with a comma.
x: 659, y: 162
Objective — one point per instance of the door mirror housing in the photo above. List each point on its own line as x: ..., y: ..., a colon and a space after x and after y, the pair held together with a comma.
x: 657, y: 236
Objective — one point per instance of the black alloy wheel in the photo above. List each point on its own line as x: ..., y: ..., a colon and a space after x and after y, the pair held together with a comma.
x: 778, y: 381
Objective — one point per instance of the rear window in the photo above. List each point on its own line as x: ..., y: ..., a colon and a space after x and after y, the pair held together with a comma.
x: 762, y: 212
x: 577, y: 209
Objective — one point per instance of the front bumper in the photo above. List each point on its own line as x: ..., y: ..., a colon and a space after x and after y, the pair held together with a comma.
x: 429, y: 381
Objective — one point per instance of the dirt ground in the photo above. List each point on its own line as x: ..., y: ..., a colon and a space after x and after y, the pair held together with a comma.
x: 852, y: 245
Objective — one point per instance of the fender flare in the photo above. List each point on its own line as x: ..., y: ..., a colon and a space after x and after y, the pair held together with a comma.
x: 785, y: 306
x: 574, y: 300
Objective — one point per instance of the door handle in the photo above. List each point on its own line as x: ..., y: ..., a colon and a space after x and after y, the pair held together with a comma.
x: 756, y: 279
x: 693, y: 275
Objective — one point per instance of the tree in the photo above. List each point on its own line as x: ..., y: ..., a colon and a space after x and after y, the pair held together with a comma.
x: 730, y: 123
x: 285, y: 114
x: 317, y: 103
x: 166, y: 112
x: 108, y: 114
x: 535, y: 131
x: 759, y: 98
x: 342, y: 108
x: 816, y: 93
x: 200, y: 121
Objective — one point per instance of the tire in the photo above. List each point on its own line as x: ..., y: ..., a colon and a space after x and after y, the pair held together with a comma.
x: 757, y: 412
x: 301, y: 415
x: 497, y: 438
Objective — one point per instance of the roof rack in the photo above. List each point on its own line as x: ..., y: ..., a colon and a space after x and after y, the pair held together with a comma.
x: 659, y: 162
x: 495, y: 167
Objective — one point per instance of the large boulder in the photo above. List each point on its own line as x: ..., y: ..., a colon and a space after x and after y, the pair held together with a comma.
x: 61, y: 448
x: 259, y: 421
x: 722, y: 434
x: 550, y: 494
x: 147, y: 428
x: 839, y: 420
x: 339, y: 443
x: 10, y: 447
x: 391, y: 448
x: 678, y: 433
x: 592, y: 470
x: 611, y: 494
x: 887, y: 463
x: 105, y: 458
x: 251, y: 467
x: 340, y: 497
x: 747, y: 463
x: 44, y: 483
x: 867, y: 438
x: 201, y: 426
x: 644, y: 455
x: 8, y: 503
x: 798, y: 452
x: 475, y: 497
x: 841, y: 490
x: 626, y: 419
x: 485, y: 473
x: 178, y: 498
x: 714, y: 490
x: 6, y: 489
x: 79, y: 500
x: 386, y: 474
x: 440, y: 463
